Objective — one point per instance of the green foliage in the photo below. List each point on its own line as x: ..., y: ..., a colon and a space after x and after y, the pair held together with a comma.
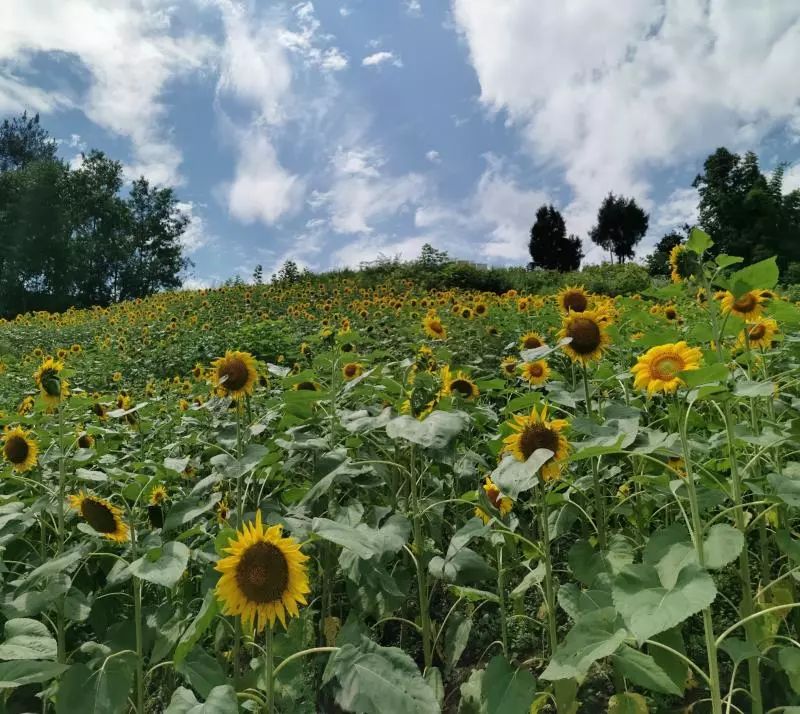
x: 549, y: 246
x: 621, y: 225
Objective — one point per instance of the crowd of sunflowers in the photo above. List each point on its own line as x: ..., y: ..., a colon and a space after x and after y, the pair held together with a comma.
x: 327, y: 496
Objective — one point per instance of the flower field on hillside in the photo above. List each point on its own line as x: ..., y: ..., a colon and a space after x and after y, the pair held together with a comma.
x: 328, y: 497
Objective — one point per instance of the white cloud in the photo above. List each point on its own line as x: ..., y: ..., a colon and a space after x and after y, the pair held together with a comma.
x: 679, y: 208
x: 370, y: 248
x: 345, y: 11
x: 129, y: 55
x: 791, y: 179
x: 306, y: 40
x: 607, y: 95
x: 196, y: 235
x: 433, y: 156
x: 414, y: 8
x: 379, y: 58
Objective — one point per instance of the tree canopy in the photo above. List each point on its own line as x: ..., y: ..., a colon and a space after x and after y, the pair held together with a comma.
x: 621, y: 224
x: 549, y: 245
x: 75, y: 236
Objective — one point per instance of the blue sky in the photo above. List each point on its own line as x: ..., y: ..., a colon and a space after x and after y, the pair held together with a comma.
x: 335, y: 131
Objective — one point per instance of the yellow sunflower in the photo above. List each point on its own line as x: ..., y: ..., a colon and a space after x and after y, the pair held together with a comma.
x: 535, y: 372
x: 589, y: 338
x: 509, y: 367
x: 530, y: 341
x: 502, y: 503
x: 676, y: 263
x: 657, y: 369
x: 573, y: 299
x: 748, y: 306
x: 101, y: 515
x: 759, y: 333
x: 306, y: 386
x: 536, y: 431
x: 263, y: 577
x: 85, y: 439
x: 235, y: 373
x: 20, y: 449
x: 352, y: 370
x: 26, y: 406
x: 158, y: 495
x: 51, y: 385
x: 434, y: 327
x: 458, y: 385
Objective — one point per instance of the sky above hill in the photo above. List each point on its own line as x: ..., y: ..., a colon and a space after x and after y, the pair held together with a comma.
x: 331, y: 132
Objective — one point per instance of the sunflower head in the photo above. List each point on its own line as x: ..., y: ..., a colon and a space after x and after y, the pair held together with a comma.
x: 502, y: 503
x: 235, y: 373
x: 458, y: 385
x: 680, y: 263
x: 101, y: 515
x: 535, y: 372
x: 509, y: 367
x: 587, y: 334
x: 747, y: 306
x: 20, y: 449
x: 85, y: 439
x: 536, y: 431
x: 759, y: 333
x: 530, y: 341
x: 351, y: 370
x: 573, y: 299
x: 158, y: 495
x: 264, y: 576
x: 52, y: 386
x: 306, y: 386
x: 434, y: 328
x: 658, y: 369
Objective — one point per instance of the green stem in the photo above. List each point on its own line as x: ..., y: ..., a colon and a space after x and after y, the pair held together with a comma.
x: 501, y: 593
x: 237, y: 632
x: 270, y: 673
x: 422, y: 579
x: 302, y: 653
x: 62, y: 480
x: 137, y: 604
x: 549, y: 589
x: 599, y: 504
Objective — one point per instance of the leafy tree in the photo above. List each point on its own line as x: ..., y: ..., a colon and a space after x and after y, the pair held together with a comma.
x: 657, y: 262
x: 747, y: 213
x: 621, y: 224
x: 430, y: 257
x: 549, y: 245
x: 23, y: 140
x: 258, y: 274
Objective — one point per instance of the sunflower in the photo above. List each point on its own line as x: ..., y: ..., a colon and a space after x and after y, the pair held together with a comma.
x: 434, y: 327
x: 670, y: 313
x: 466, y: 312
x: 101, y: 515
x: 264, y: 576
x: 458, y: 385
x: 500, y: 502
x: 536, y: 431
x: 573, y: 299
x: 588, y: 334
x: 26, y: 406
x: 530, y: 341
x: 748, y: 306
x: 657, y: 369
x: 351, y: 370
x: 19, y: 449
x: 677, y: 263
x: 85, y: 439
x: 509, y: 367
x: 235, y: 373
x: 158, y: 495
x: 50, y: 383
x: 535, y: 372
x: 481, y: 309
x: 759, y: 333
x: 678, y: 465
x: 306, y: 386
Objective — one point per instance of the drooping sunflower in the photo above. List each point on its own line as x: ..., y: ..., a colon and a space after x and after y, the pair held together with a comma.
x: 264, y: 576
x: 502, y: 503
x: 589, y: 338
x: 352, y: 370
x: 509, y: 367
x: 51, y: 385
x: 748, y: 306
x: 20, y: 449
x: 535, y: 372
x: 101, y: 515
x: 158, y: 495
x: 530, y: 341
x: 434, y: 327
x: 306, y: 386
x: 235, y: 373
x: 759, y: 333
x: 85, y: 439
x: 679, y: 263
x: 678, y: 465
x: 458, y: 385
x: 657, y: 369
x: 573, y: 299
x: 536, y: 431
x: 26, y: 406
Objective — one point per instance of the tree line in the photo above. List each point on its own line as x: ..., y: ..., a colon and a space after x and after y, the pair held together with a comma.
x: 79, y: 236
x: 746, y: 211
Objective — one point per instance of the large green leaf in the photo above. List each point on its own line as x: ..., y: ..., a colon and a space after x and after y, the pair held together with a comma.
x: 722, y: 545
x: 514, y: 477
x: 19, y: 672
x: 27, y: 639
x: 102, y: 692
x: 786, y: 488
x: 759, y: 276
x: 789, y: 659
x: 164, y: 565
x: 596, y: 635
x: 220, y: 700
x: 186, y: 511
x: 587, y: 563
x: 644, y: 671
x: 375, y: 680
x: 699, y: 241
x: 456, y: 637
x: 499, y: 689
x: 197, y: 628
x: 56, y: 565
x: 363, y: 541
x: 202, y: 671
x: 461, y: 565
x: 628, y: 703
x: 650, y: 604
x: 434, y: 432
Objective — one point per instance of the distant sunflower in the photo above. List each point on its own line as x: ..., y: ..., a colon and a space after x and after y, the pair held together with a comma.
x: 588, y: 334
x: 26, y: 406
x: 101, y: 515
x: 535, y: 372
x: 306, y: 386
x: 536, y: 431
x: 352, y: 370
x: 657, y: 370
x: 434, y: 327
x: 759, y: 334
x: 458, y: 384
x: 509, y: 367
x: 671, y: 313
x: 481, y: 309
x: 466, y: 312
x: 573, y: 299
x: 264, y: 576
x: 677, y: 263
x: 235, y: 373
x: 748, y: 306
x: 676, y: 463
x: 51, y: 385
x: 502, y: 503
x: 530, y: 341
x: 158, y: 495
x: 20, y: 449
x: 85, y: 439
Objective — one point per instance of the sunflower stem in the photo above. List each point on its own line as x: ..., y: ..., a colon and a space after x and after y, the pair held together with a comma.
x: 270, y: 670
x: 501, y: 593
x: 597, y: 487
x: 237, y: 626
x: 549, y: 589
x: 62, y: 479
x: 422, y: 580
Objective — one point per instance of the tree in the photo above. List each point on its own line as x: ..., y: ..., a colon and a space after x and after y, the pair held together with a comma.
x: 23, y: 140
x: 258, y: 274
x: 549, y: 245
x: 657, y: 262
x: 621, y: 224
x: 747, y: 213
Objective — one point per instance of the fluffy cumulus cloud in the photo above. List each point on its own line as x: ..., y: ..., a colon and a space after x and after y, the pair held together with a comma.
x: 607, y: 93
x: 382, y: 57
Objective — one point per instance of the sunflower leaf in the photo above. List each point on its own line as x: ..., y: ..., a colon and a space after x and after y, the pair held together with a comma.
x: 165, y: 569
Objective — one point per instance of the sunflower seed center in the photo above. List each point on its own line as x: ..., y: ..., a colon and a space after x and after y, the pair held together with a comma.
x: 16, y: 449
x: 585, y: 334
x: 536, y: 436
x: 263, y: 573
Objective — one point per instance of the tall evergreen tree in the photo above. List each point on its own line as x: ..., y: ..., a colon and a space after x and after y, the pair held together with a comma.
x: 549, y: 246
x: 621, y: 225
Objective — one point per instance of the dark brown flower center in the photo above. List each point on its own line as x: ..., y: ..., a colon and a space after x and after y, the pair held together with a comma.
x: 536, y: 436
x: 585, y: 334
x: 462, y: 386
x: 98, y: 516
x: 535, y: 370
x: 757, y: 332
x: 575, y: 301
x: 51, y: 383
x: 493, y: 494
x: 436, y: 326
x: 671, y: 313
x: 236, y: 372
x: 532, y: 342
x: 262, y: 573
x: 307, y: 386
x: 350, y: 370
x: 85, y: 441
x: 746, y: 303
x: 16, y: 449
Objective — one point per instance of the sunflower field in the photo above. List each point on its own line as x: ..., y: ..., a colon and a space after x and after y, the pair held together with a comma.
x: 326, y: 497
